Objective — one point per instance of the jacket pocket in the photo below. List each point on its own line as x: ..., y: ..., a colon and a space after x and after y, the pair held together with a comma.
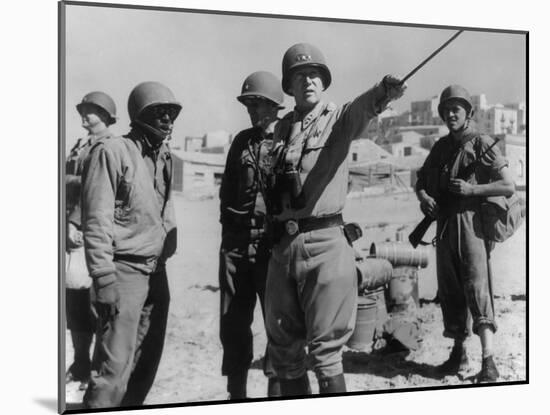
x: 122, y: 202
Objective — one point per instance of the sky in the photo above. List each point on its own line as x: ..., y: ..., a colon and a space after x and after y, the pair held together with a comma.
x: 204, y: 59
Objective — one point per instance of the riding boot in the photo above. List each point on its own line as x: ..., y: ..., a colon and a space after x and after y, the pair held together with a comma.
x: 273, y: 387
x: 236, y: 385
x: 295, y: 387
x: 333, y: 384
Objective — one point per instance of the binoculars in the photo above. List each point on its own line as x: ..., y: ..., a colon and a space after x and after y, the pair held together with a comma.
x: 288, y: 181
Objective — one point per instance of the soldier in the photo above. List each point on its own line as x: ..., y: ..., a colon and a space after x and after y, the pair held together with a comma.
x: 244, y: 251
x: 311, y: 284
x: 451, y: 191
x: 129, y: 232
x: 98, y: 112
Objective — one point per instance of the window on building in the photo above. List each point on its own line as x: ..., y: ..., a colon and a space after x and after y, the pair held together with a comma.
x: 354, y: 157
x: 407, y: 151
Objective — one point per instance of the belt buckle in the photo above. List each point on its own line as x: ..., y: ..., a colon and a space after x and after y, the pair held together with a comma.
x: 291, y: 227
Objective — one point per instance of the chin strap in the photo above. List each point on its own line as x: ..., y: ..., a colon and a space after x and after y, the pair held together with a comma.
x: 154, y: 136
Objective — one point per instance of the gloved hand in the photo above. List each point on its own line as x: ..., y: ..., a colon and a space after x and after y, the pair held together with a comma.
x: 74, y: 237
x: 107, y: 297
x: 393, y: 87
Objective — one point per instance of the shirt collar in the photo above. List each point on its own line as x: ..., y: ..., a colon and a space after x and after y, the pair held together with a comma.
x: 465, y: 135
x: 92, y: 138
x: 311, y: 116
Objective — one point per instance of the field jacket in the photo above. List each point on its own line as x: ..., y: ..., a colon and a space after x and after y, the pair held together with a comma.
x: 126, y: 205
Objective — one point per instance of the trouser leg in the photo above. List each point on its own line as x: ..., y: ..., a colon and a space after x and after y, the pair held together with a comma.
x: 237, y: 302
x: 329, y: 298
x: 450, y: 285
x: 285, y: 324
x: 476, y: 271
x: 116, y: 341
x: 262, y: 254
x: 81, y: 323
x: 150, y: 339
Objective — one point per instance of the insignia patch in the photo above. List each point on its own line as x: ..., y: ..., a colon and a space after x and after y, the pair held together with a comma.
x: 303, y: 58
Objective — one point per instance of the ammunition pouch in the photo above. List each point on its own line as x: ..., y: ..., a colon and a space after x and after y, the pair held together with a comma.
x: 353, y: 232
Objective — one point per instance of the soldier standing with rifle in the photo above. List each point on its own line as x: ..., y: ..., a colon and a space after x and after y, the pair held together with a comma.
x: 245, y: 250
x: 461, y: 169
x: 129, y: 233
x: 312, y: 284
x: 98, y: 112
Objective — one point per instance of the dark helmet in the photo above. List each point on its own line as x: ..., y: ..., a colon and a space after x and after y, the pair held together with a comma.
x: 148, y: 94
x: 101, y: 100
x: 458, y: 93
x: 262, y: 84
x: 304, y: 54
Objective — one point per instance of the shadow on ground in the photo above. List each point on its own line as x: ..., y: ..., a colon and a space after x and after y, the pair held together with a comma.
x: 387, y: 365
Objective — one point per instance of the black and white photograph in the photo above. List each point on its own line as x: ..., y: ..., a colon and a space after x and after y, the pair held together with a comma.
x: 289, y: 206
x: 262, y: 206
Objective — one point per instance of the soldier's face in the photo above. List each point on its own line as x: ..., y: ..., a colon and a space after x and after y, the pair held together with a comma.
x: 92, y: 118
x: 306, y: 84
x: 261, y: 111
x: 160, y: 117
x: 455, y: 115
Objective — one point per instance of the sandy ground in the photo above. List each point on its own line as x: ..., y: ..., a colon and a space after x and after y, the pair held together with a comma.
x: 190, y: 368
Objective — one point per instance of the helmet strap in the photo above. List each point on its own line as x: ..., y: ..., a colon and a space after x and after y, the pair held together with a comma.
x: 154, y: 136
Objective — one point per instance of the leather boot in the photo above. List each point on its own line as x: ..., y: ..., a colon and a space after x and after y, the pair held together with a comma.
x: 333, y: 384
x: 236, y: 385
x: 489, y: 372
x: 295, y: 387
x: 273, y: 387
x: 457, y: 362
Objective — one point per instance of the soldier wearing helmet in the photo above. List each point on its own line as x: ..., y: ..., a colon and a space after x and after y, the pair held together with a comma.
x: 129, y: 233
x: 97, y: 111
x: 244, y: 251
x: 311, y: 288
x: 450, y: 191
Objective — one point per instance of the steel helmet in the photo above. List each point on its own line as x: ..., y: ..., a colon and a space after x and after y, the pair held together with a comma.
x: 262, y: 84
x: 455, y: 92
x: 304, y: 54
x: 147, y: 94
x: 101, y: 100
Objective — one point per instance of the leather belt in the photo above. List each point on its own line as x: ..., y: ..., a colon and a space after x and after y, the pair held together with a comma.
x: 294, y: 226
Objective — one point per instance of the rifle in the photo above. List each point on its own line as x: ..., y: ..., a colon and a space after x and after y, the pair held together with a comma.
x: 415, y: 237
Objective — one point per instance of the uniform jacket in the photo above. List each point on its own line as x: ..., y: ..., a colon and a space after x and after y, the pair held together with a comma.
x: 322, y: 140
x: 450, y: 159
x: 73, y: 172
x: 127, y: 206
x: 240, y: 197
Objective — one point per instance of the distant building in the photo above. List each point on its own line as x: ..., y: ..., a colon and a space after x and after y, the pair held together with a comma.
x: 425, y: 112
x: 515, y: 152
x: 217, y: 139
x: 521, y: 108
x: 497, y: 119
x: 197, y: 173
x: 364, y: 150
x: 479, y: 103
x: 403, y: 143
x: 379, y: 126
